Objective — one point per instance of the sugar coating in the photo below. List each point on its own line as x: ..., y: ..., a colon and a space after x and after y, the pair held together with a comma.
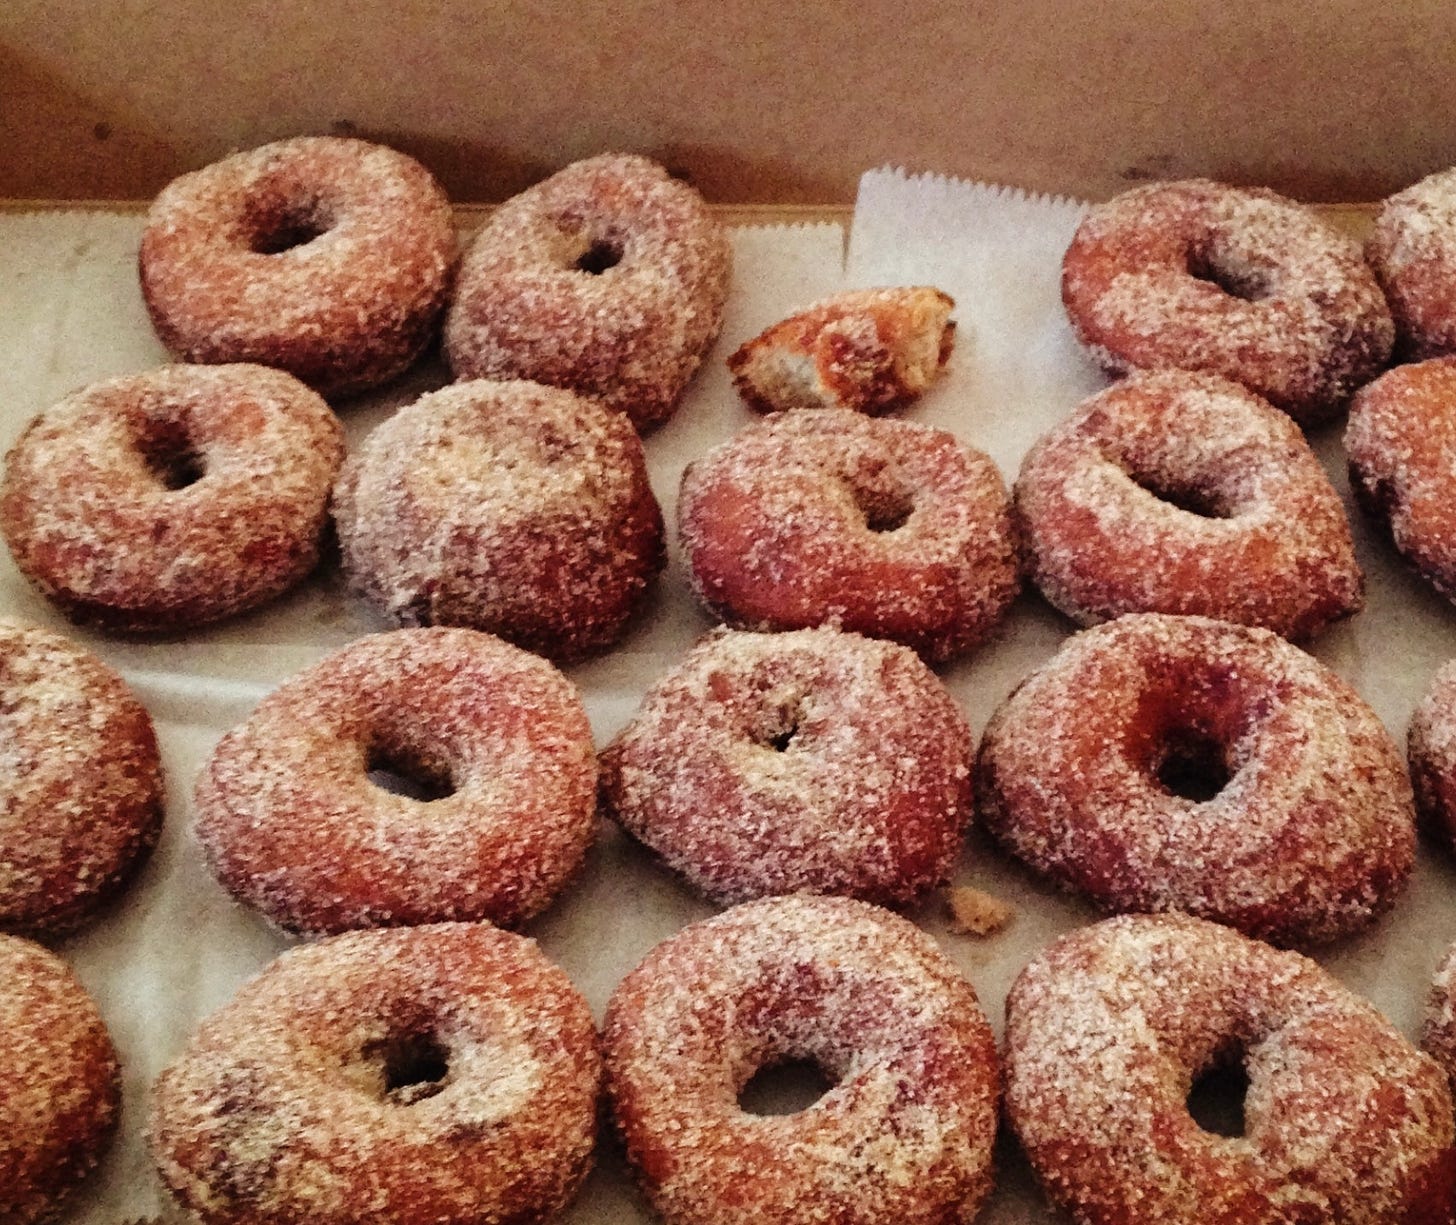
x: 1100, y: 503
x: 1412, y: 248
x: 529, y: 303
x: 1431, y: 751
x: 1309, y: 839
x: 60, y: 1088
x: 92, y: 520
x: 347, y: 309
x: 905, y: 1133
x: 1240, y: 282
x: 510, y: 507
x: 866, y: 350
x: 1401, y: 446
x: 281, y: 1109
x: 292, y: 825
x: 1438, y: 1032
x: 1109, y: 1028
x: 821, y: 517
x: 81, y: 799
x: 811, y: 760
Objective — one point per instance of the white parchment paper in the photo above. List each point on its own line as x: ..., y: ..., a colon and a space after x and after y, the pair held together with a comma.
x: 176, y: 948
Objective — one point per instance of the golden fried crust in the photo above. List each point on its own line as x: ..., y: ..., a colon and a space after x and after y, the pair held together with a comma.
x: 60, y: 1087
x: 441, y: 1075
x: 323, y: 256
x: 867, y: 350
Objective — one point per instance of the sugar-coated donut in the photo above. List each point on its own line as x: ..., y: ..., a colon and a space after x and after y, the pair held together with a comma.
x: 607, y: 279
x: 442, y: 1075
x: 1180, y: 763
x: 808, y: 761
x: 81, y: 794
x: 822, y: 517
x: 1234, y: 281
x: 904, y: 1134
x: 1401, y: 446
x: 326, y: 257
x: 1180, y: 492
x: 1109, y: 1029
x: 169, y: 499
x: 60, y: 1087
x: 867, y: 350
x: 1412, y: 247
x: 495, y: 740
x: 1438, y: 1029
x: 509, y: 507
x: 1431, y: 750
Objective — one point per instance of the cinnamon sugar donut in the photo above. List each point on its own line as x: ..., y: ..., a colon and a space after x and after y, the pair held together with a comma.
x: 1438, y: 1032
x: 822, y: 517
x: 1412, y: 247
x: 1233, y: 281
x: 1431, y: 751
x: 170, y: 499
x: 1180, y: 492
x: 809, y: 761
x: 607, y: 279
x: 60, y: 1088
x: 904, y: 1134
x: 1223, y: 772
x: 326, y: 257
x: 443, y: 1075
x: 1109, y: 1028
x: 1401, y: 444
x: 509, y: 507
x: 494, y: 741
x: 867, y: 350
x: 81, y: 802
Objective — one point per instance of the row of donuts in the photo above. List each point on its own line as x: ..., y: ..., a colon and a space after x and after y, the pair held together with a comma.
x: 450, y: 1073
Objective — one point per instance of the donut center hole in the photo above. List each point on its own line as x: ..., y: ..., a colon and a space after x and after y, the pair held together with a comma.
x: 784, y: 1087
x: 1245, y: 284
x: 171, y: 458
x: 884, y: 510
x: 1190, y: 498
x: 287, y: 228
x: 600, y: 255
x: 407, y: 776
x: 1216, y: 1100
x: 1192, y: 766
x: 413, y: 1067
x: 778, y: 724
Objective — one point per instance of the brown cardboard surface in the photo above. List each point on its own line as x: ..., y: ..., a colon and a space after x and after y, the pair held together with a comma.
x: 753, y: 101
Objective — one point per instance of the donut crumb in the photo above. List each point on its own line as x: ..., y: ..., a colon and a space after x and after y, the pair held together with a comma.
x: 974, y: 912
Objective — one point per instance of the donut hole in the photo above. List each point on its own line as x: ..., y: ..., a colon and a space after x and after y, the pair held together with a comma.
x: 1222, y: 270
x: 1185, y: 495
x: 285, y: 226
x: 777, y: 724
x: 784, y: 1086
x: 600, y: 254
x: 170, y: 456
x: 1216, y: 1099
x: 884, y: 509
x: 1192, y: 765
x: 412, y: 1066
x: 408, y: 774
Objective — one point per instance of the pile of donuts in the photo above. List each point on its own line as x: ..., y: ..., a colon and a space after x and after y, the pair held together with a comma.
x: 1181, y: 762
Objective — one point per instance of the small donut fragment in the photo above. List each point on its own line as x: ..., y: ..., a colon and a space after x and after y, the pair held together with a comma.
x: 1431, y: 750
x: 868, y: 350
x: 810, y: 761
x: 60, y: 1086
x: 1180, y: 763
x: 323, y: 256
x: 442, y: 1075
x: 494, y: 743
x: 1438, y: 1031
x: 510, y: 507
x: 903, y: 1134
x: 171, y: 499
x: 1401, y: 444
x: 81, y: 797
x: 607, y: 279
x: 1412, y: 247
x: 884, y: 527
x: 1180, y: 492
x: 1233, y: 281
x: 1110, y: 1028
